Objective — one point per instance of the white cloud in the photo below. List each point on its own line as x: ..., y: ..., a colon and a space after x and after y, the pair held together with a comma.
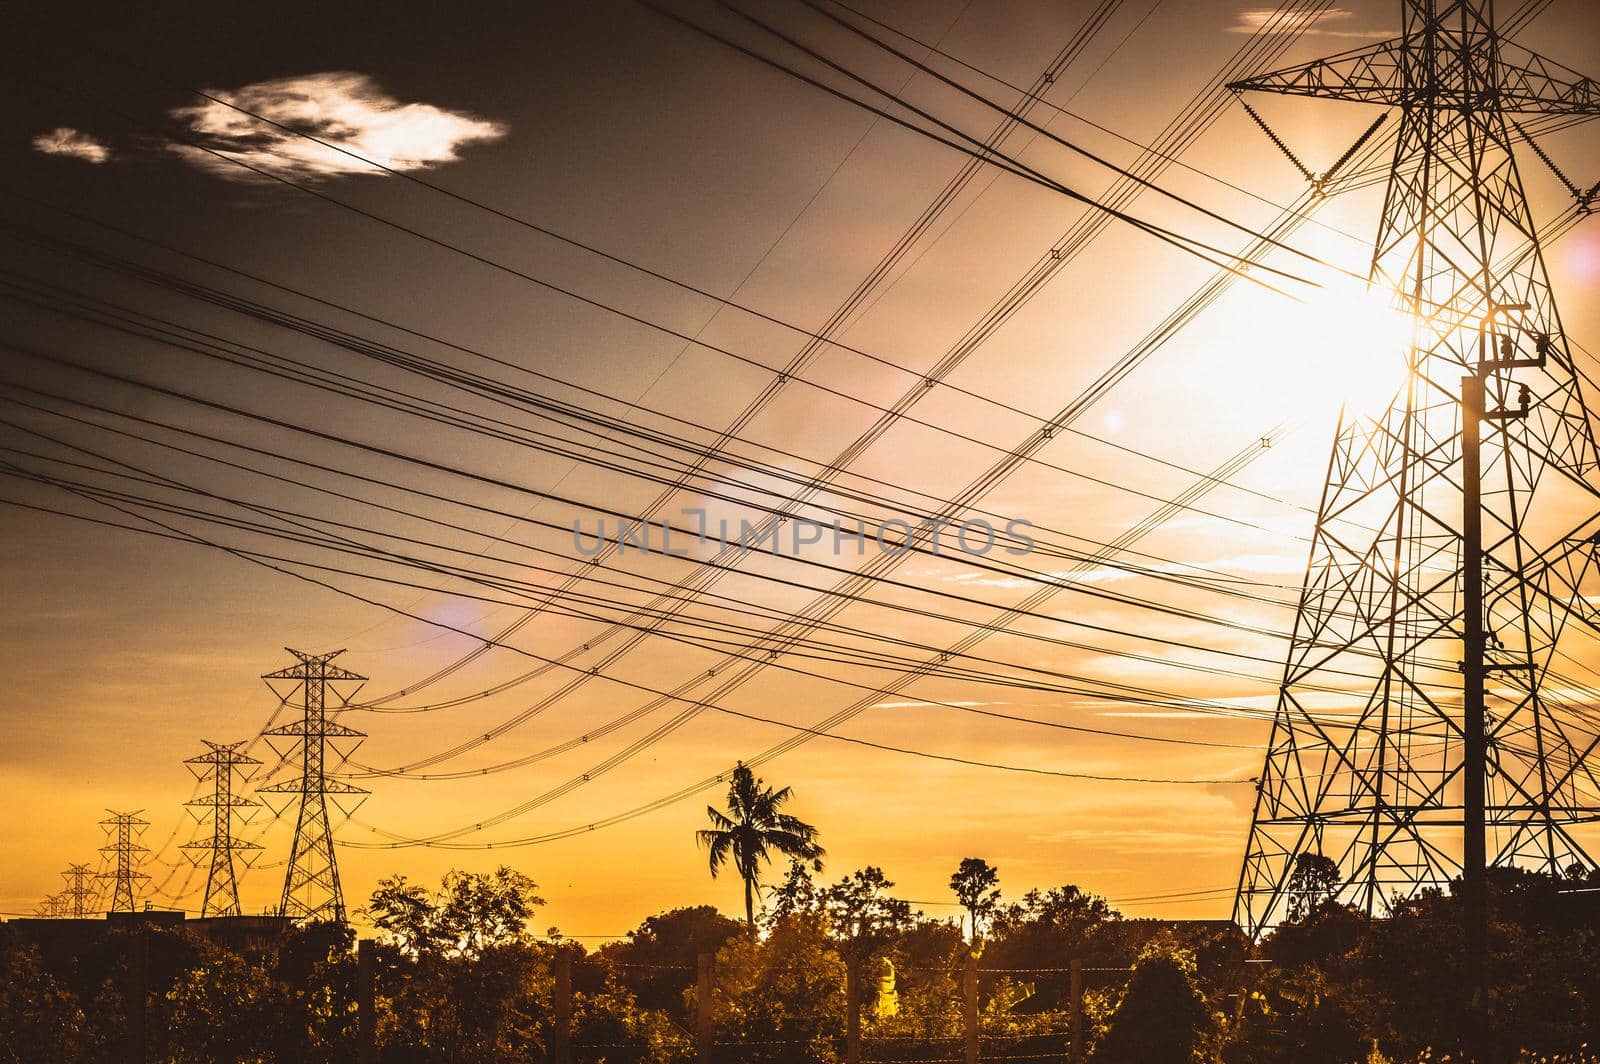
x: 1256, y: 19
x: 73, y: 143
x: 344, y: 109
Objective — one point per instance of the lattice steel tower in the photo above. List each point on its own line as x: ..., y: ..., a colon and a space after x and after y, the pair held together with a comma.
x: 54, y: 907
x: 221, y: 764
x: 78, y: 899
x: 311, y: 889
x: 126, y: 855
x: 1422, y: 697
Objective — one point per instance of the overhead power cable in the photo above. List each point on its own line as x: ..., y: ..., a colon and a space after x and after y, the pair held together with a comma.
x: 1037, y: 129
x: 1207, y: 253
x: 279, y: 564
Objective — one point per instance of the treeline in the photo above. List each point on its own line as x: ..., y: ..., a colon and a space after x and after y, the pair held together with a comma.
x: 459, y: 976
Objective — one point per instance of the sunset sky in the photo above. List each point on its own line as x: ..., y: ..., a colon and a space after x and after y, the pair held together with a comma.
x: 623, y: 130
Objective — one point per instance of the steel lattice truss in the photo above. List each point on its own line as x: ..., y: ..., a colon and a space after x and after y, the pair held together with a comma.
x: 311, y: 889
x: 220, y: 765
x: 122, y: 847
x: 78, y: 899
x: 1371, y: 778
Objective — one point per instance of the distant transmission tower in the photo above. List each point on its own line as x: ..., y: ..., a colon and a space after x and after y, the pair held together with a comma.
x: 311, y: 889
x: 221, y: 764
x: 122, y: 846
x: 78, y: 900
x: 1421, y: 733
x: 54, y: 907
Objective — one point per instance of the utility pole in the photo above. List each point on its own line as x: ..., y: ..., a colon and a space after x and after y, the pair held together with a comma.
x: 561, y: 1028
x: 1075, y: 1014
x: 1474, y: 752
x: 221, y: 764
x: 366, y: 1003
x: 969, y: 1009
x: 852, y: 1011
x: 704, y: 981
x: 311, y: 889
x: 122, y: 846
x: 1495, y: 356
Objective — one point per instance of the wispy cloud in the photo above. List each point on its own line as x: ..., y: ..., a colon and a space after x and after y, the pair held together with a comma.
x: 72, y: 143
x: 343, y: 108
x: 1257, y: 19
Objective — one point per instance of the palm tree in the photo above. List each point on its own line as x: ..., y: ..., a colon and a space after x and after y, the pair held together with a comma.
x: 751, y: 830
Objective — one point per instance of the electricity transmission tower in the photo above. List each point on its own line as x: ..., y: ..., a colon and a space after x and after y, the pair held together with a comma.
x: 220, y: 765
x: 54, y: 907
x: 311, y: 889
x: 78, y: 900
x: 122, y: 846
x: 1423, y: 730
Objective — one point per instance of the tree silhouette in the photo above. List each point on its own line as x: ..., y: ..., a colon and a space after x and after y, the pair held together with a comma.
x: 975, y: 883
x: 1163, y: 1017
x: 751, y: 830
x: 1315, y: 880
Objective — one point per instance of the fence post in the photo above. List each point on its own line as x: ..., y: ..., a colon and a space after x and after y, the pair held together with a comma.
x: 366, y: 1010
x: 561, y: 1034
x: 852, y: 1013
x: 970, y: 1012
x: 1075, y: 1005
x: 703, y: 1008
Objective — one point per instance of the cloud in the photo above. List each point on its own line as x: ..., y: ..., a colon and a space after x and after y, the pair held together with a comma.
x: 72, y: 143
x: 1257, y: 19
x: 343, y: 108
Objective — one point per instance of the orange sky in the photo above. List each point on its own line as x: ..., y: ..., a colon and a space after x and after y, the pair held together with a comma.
x: 122, y: 652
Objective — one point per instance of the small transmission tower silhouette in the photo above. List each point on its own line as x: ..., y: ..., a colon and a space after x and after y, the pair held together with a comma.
x: 311, y: 889
x: 54, y: 907
x: 1422, y: 732
x: 78, y: 900
x: 122, y: 847
x: 222, y: 764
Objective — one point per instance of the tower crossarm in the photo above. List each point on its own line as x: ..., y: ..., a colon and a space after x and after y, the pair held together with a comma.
x: 1524, y: 81
x: 326, y: 728
x: 300, y: 786
x: 1370, y: 74
x: 1530, y: 83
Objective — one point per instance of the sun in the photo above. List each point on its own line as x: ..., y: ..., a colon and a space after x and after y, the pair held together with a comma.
x: 1343, y: 346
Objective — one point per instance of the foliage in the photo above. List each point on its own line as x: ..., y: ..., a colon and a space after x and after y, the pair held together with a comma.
x: 462, y: 979
x: 862, y: 915
x: 41, y: 1018
x: 1293, y: 1015
x: 658, y: 961
x: 1312, y: 884
x: 227, y: 1008
x: 1163, y: 1017
x: 976, y: 884
x: 797, y: 894
x: 459, y: 977
x: 783, y: 996
x: 470, y: 912
x: 751, y: 830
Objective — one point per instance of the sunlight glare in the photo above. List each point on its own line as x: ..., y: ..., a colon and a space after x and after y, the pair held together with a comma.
x: 1354, y: 346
